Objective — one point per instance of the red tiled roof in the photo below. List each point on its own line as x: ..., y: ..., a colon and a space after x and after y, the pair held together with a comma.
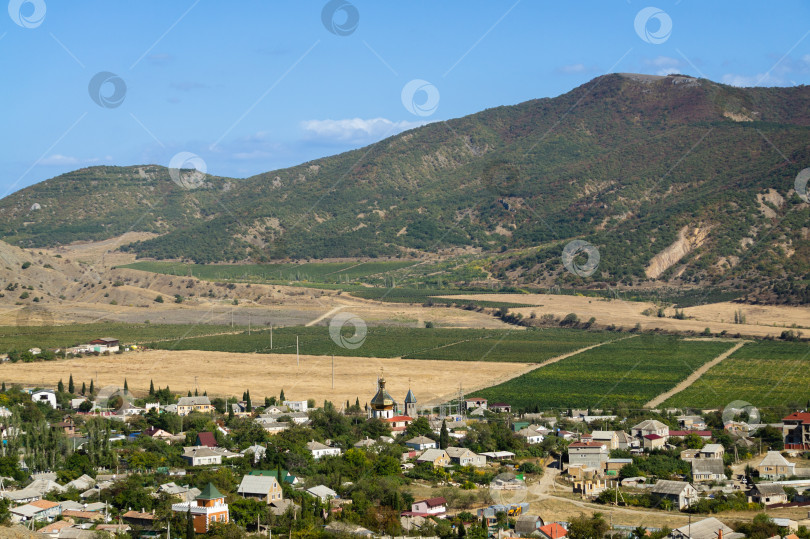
x: 653, y: 436
x: 434, y: 502
x: 43, y: 504
x: 56, y: 526
x: 399, y: 418
x: 139, y: 515
x: 682, y: 433
x: 587, y: 444
x: 803, y: 417
x: 207, y: 439
x: 89, y: 515
x: 553, y: 530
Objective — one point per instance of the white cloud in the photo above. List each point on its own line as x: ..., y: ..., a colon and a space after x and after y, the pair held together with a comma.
x: 68, y: 160
x: 356, y: 129
x: 573, y: 68
x: 255, y: 154
x: 665, y: 65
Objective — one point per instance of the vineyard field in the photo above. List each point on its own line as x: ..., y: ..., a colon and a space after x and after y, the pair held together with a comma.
x: 25, y: 337
x: 526, y: 346
x: 624, y: 373
x: 764, y: 373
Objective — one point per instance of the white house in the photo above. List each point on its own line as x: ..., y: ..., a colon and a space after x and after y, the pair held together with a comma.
x: 431, y: 506
x: 44, y: 395
x: 323, y: 492
x: 201, y: 456
x: 420, y: 443
x: 319, y: 450
x: 530, y: 435
x: 296, y: 406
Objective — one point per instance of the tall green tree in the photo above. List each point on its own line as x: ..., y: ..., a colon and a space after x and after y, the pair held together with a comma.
x: 84, y: 388
x: 126, y: 386
x: 71, y: 387
x: 151, y: 388
x: 190, y: 533
x: 92, y: 390
x: 444, y: 436
x: 60, y: 387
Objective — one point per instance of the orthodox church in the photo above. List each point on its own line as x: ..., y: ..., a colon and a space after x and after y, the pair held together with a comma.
x: 383, y: 406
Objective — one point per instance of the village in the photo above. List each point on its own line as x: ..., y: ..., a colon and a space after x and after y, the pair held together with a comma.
x: 78, y: 462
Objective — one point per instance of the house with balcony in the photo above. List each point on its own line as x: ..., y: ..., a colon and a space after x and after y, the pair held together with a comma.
x: 796, y: 431
x: 208, y: 507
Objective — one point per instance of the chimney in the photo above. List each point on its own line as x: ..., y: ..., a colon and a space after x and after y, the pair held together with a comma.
x: 720, y: 533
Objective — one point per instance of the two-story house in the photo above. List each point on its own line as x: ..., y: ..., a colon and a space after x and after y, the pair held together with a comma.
x: 796, y: 431
x: 590, y: 454
x: 264, y: 488
x: 207, y: 508
x: 186, y: 405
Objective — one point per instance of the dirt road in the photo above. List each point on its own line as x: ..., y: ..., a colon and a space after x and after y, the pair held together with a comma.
x: 692, y: 378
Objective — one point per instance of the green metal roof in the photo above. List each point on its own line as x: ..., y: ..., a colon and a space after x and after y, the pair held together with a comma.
x: 210, y: 492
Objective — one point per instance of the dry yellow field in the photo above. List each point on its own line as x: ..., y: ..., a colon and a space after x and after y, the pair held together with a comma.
x: 762, y: 320
x: 230, y: 374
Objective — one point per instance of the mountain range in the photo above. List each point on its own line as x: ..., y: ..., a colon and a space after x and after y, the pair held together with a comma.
x: 672, y: 179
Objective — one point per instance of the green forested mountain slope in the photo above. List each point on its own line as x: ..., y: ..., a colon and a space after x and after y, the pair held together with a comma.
x: 629, y: 163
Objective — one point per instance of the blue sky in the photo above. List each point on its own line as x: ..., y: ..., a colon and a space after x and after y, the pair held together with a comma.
x: 253, y: 86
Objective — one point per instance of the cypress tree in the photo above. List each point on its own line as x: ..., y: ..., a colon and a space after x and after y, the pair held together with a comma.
x: 190, y: 534
x: 196, y: 394
x: 357, y: 402
x: 444, y: 436
x: 281, y: 397
x: 91, y: 387
x: 189, y: 392
x: 84, y: 388
x: 248, y: 404
x: 71, y: 387
x: 151, y: 388
x: 126, y: 387
x: 230, y: 411
x: 60, y: 387
x: 4, y: 387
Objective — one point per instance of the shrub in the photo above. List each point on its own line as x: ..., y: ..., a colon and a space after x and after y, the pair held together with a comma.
x: 159, y: 299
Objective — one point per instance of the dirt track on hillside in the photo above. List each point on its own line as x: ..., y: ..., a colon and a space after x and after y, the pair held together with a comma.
x: 762, y: 320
